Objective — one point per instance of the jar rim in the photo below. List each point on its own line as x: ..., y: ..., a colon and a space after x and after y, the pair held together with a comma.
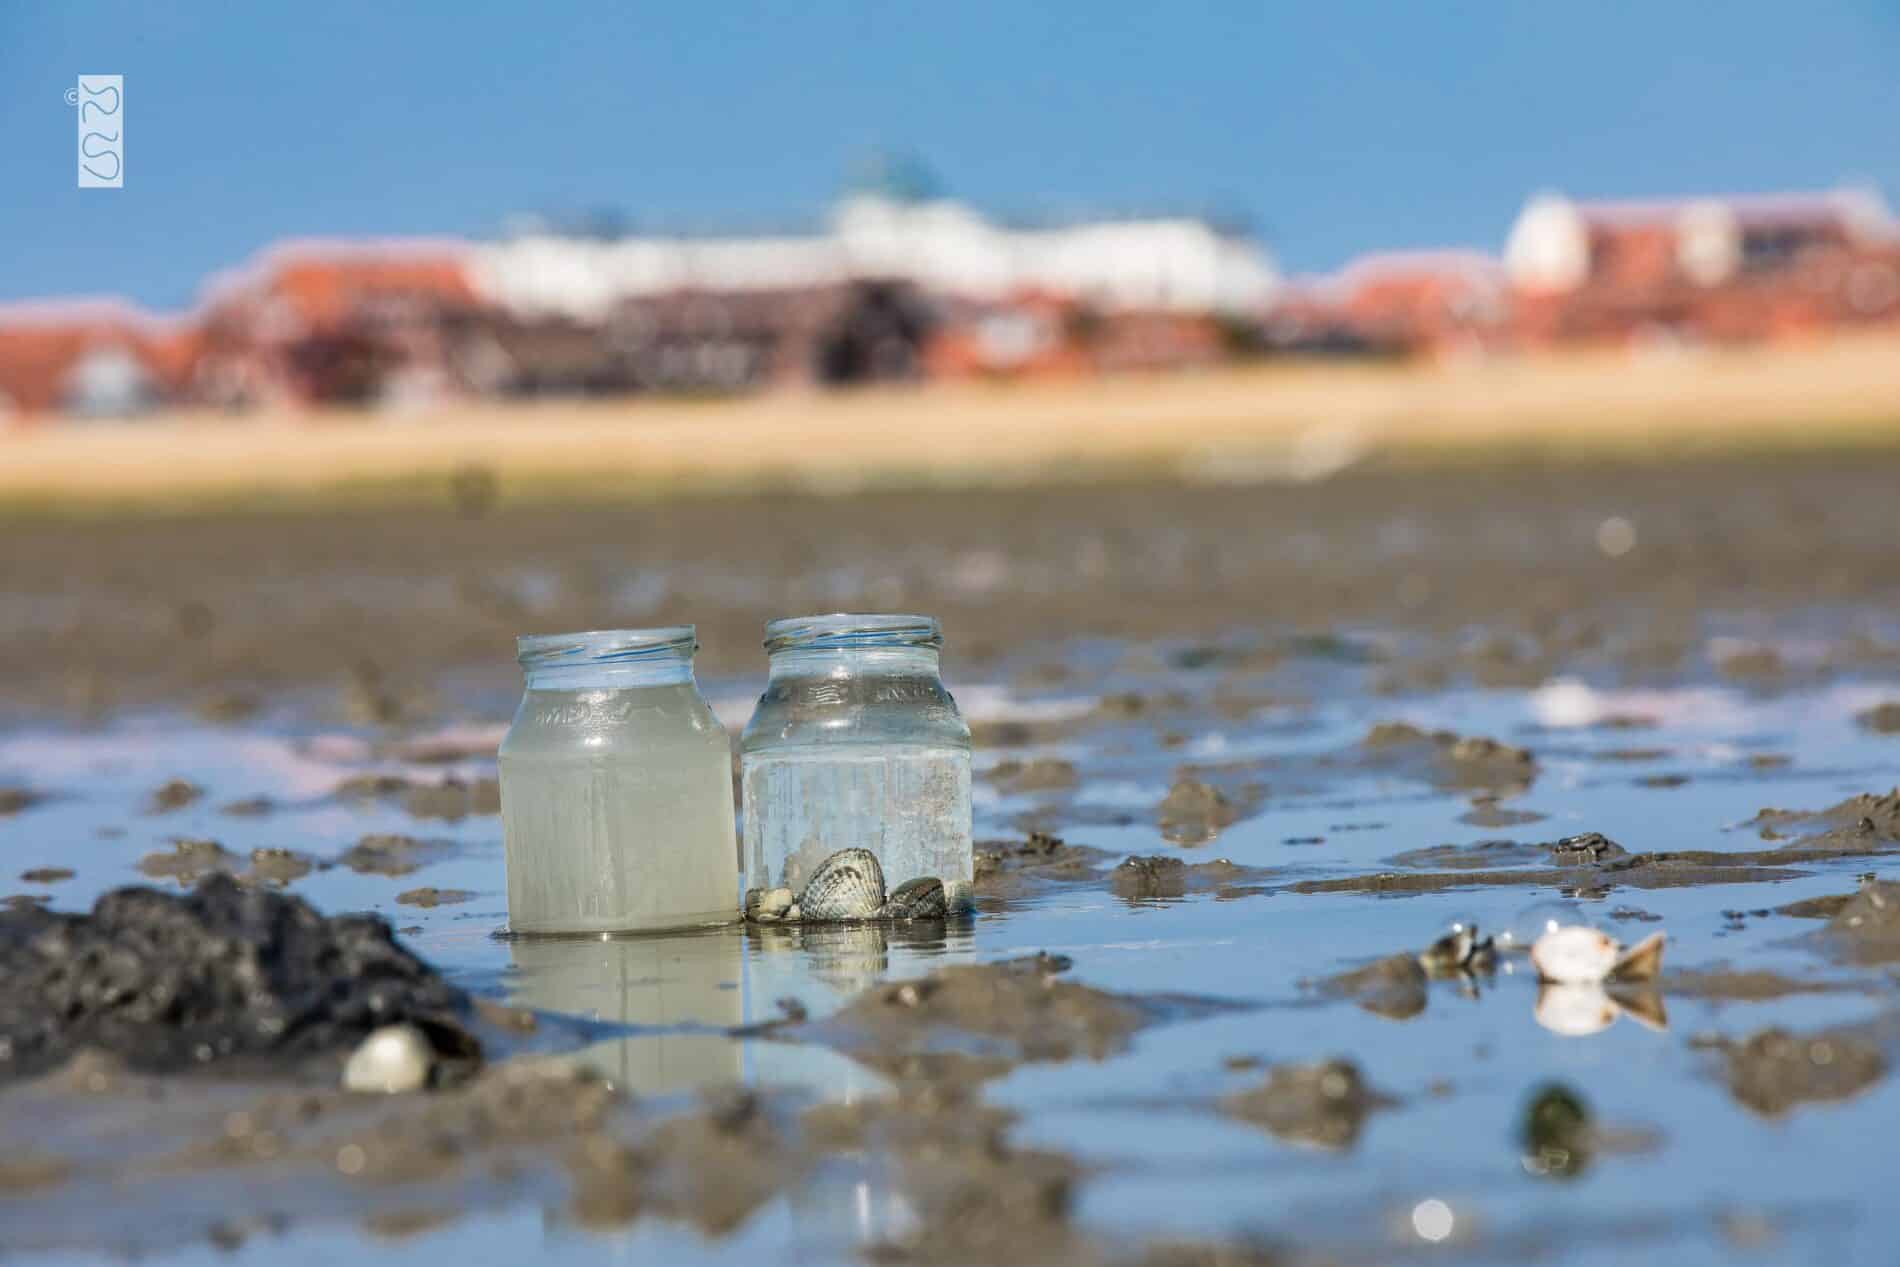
x: 607, y: 646
x: 843, y: 631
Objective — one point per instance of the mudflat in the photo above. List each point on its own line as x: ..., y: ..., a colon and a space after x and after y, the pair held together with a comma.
x: 1275, y: 784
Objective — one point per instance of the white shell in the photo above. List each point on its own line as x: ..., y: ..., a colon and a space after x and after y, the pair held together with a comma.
x: 1575, y: 1010
x: 1578, y: 955
x: 1574, y: 954
x: 391, y: 1060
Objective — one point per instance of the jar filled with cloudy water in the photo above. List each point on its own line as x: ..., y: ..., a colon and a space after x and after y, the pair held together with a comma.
x: 616, y: 788
x: 856, y: 744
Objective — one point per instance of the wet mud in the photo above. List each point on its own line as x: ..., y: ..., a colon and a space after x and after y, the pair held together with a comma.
x: 1244, y: 756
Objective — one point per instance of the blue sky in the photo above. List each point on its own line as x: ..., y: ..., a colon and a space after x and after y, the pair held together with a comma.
x: 1333, y: 128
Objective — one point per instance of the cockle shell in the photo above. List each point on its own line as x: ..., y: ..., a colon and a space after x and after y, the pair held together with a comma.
x: 1576, y: 955
x: 847, y: 885
x: 922, y: 898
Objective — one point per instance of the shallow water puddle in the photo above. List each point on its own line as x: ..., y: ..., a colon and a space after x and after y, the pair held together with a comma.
x: 1309, y: 815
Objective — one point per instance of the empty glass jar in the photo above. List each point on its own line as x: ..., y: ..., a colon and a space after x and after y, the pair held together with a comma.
x: 616, y: 788
x: 856, y: 745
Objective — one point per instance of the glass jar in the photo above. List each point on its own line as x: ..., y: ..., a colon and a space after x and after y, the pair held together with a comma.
x: 855, y: 744
x: 616, y: 788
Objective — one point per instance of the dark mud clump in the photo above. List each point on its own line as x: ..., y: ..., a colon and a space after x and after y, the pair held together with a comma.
x: 392, y: 854
x: 1394, y: 987
x: 711, y: 1167
x: 1044, y: 774
x: 973, y: 1194
x: 1852, y: 823
x: 1471, y: 857
x: 453, y: 798
x: 1194, y: 812
x: 1157, y: 876
x: 1757, y: 664
x: 1774, y: 1070
x: 278, y: 866
x: 1012, y: 868
x: 249, y: 807
x: 429, y: 896
x: 227, y: 973
x: 47, y: 875
x: 1882, y: 719
x: 1449, y: 759
x: 1816, y: 907
x: 1594, y: 864
x: 188, y: 861
x: 1867, y: 926
x: 1486, y: 812
x: 15, y: 799
x: 173, y: 794
x: 1325, y: 1103
x: 1154, y: 876
x: 971, y: 1022
x: 1732, y: 985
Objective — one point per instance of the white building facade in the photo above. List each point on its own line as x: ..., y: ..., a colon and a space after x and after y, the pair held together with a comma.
x: 941, y: 246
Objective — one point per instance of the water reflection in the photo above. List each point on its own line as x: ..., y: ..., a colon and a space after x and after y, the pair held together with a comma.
x: 692, y: 988
x: 687, y: 980
x: 1578, y: 1009
x: 852, y: 1200
x: 820, y: 967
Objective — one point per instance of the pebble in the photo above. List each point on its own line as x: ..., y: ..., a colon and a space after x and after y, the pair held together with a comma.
x: 393, y: 1059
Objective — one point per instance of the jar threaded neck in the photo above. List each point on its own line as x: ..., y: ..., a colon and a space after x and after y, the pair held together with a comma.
x: 608, y: 656
x: 852, y: 631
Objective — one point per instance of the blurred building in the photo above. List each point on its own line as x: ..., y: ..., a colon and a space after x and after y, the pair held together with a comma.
x: 1396, y: 303
x: 92, y: 359
x: 1730, y: 268
x: 338, y: 322
x: 898, y: 282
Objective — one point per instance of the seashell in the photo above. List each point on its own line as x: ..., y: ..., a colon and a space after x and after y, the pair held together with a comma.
x: 768, y: 904
x: 1459, y: 951
x: 922, y: 898
x: 847, y: 885
x: 393, y: 1059
x: 1578, y: 955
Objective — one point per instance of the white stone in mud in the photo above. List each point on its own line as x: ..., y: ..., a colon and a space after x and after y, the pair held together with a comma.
x: 393, y: 1059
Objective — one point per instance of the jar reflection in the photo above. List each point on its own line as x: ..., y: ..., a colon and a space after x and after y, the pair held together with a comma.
x: 691, y: 979
x: 822, y: 968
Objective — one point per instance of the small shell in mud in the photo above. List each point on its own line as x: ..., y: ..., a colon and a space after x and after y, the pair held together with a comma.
x: 1578, y: 955
x: 769, y: 905
x: 922, y: 898
x: 847, y: 885
x: 393, y: 1059
x: 1461, y: 950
